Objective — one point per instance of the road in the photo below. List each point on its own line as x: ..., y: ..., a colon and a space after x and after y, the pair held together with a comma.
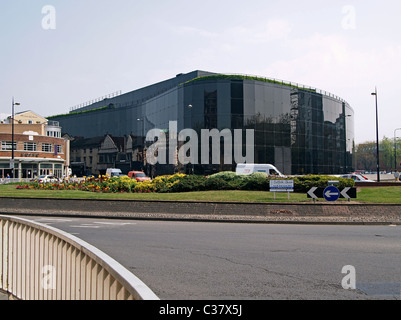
x: 215, y: 261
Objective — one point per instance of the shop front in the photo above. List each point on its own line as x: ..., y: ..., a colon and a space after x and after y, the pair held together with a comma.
x: 29, y: 169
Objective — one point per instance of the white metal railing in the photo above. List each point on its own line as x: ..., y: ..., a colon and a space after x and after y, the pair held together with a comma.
x: 38, y: 262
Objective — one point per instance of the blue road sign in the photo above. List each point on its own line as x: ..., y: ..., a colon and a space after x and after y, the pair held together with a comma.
x: 331, y: 193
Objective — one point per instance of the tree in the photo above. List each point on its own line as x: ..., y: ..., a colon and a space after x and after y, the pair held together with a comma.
x: 387, y: 154
x: 365, y: 155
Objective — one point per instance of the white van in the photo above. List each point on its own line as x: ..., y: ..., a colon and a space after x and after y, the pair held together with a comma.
x: 112, y: 172
x: 249, y: 168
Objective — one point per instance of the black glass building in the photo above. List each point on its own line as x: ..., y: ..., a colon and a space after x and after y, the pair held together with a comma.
x: 301, y: 130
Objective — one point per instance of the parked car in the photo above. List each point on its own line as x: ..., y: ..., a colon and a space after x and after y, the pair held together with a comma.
x: 357, y: 177
x: 47, y: 178
x: 138, y: 176
x: 362, y: 175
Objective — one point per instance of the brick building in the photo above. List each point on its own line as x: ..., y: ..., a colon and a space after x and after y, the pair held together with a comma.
x: 39, y: 148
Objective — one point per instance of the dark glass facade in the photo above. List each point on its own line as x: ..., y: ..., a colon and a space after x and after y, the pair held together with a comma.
x: 300, y: 131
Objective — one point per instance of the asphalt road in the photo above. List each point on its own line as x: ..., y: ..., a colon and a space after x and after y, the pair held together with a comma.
x: 215, y: 261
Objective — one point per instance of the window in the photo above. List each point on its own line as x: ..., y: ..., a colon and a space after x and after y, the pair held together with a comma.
x: 58, y: 148
x: 6, y: 146
x: 46, y: 147
x: 29, y: 146
x: 54, y: 134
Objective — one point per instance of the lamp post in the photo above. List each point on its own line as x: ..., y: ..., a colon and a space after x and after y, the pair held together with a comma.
x: 395, y: 149
x: 12, y: 165
x: 377, y: 138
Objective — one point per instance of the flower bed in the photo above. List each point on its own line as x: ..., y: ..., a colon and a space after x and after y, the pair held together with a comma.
x: 184, y: 183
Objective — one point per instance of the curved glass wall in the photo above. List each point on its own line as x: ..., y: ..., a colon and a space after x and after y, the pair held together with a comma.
x: 299, y: 130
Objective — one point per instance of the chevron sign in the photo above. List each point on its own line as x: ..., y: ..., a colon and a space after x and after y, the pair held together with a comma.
x: 318, y: 193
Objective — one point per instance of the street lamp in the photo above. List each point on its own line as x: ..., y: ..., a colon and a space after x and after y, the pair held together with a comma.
x: 395, y: 149
x: 377, y: 138
x: 12, y: 138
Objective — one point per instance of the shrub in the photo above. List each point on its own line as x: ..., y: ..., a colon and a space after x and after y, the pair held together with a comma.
x: 258, y: 181
x: 144, y: 186
x: 226, y: 180
x: 218, y: 183
x: 303, y: 184
x: 225, y: 175
x: 189, y: 183
x: 164, y: 183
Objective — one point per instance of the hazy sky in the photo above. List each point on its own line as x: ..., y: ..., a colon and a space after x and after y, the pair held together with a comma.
x: 52, y: 60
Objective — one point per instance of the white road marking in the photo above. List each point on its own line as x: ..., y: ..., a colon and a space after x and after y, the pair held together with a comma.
x: 86, y: 226
x: 115, y: 223
x: 54, y: 219
x: 94, y: 224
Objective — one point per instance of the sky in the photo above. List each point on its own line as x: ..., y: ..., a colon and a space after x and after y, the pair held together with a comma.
x: 57, y: 54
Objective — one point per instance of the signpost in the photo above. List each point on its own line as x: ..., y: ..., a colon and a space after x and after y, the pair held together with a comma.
x: 332, y: 193
x: 281, y: 186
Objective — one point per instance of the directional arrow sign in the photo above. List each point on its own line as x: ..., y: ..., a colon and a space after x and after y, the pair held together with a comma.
x: 331, y: 193
x: 345, y: 194
x: 311, y: 193
x: 349, y: 193
x: 315, y: 193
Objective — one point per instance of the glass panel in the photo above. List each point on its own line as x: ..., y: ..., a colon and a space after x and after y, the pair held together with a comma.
x: 6, y: 145
x: 46, y: 147
x: 29, y: 146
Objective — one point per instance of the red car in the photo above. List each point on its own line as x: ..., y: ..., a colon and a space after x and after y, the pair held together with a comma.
x: 138, y: 176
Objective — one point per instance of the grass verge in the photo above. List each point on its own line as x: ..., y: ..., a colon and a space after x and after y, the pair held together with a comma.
x: 365, y: 195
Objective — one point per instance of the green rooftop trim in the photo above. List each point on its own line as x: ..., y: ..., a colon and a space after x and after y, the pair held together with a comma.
x: 80, y: 112
x: 245, y: 77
